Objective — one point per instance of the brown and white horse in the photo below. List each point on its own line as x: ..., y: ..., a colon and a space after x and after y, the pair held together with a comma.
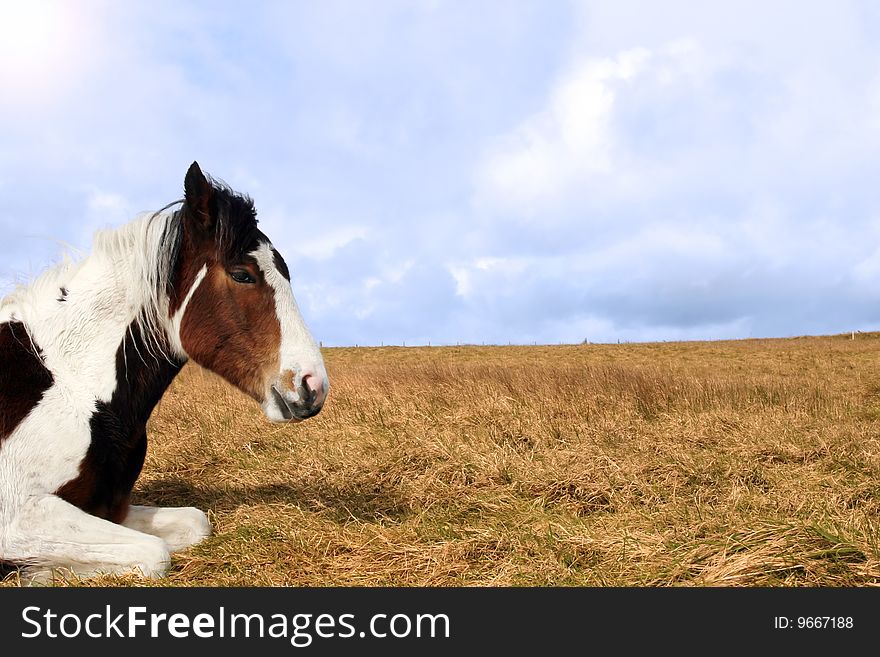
x: 88, y: 349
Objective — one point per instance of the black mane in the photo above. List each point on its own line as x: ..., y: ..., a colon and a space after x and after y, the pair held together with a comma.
x: 236, y: 219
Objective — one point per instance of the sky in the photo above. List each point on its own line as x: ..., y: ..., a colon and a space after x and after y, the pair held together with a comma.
x: 473, y: 172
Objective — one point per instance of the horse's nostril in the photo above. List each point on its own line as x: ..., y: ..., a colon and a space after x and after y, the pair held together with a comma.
x: 314, y: 388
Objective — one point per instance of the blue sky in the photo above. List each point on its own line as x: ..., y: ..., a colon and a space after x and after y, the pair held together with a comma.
x: 474, y: 171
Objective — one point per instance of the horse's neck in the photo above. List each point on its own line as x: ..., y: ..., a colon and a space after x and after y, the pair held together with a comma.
x: 90, y: 336
x: 143, y: 374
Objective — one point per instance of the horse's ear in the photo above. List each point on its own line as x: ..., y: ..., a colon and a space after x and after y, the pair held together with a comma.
x: 198, y: 192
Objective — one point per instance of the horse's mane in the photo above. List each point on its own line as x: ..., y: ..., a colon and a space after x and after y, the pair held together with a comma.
x: 146, y: 249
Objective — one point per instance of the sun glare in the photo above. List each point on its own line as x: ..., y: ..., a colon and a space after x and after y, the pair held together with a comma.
x: 33, y: 41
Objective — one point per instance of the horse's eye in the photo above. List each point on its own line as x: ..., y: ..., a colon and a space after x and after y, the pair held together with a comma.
x: 241, y: 276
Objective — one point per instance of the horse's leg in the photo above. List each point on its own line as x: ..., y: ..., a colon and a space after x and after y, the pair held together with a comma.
x: 50, y: 533
x: 179, y: 527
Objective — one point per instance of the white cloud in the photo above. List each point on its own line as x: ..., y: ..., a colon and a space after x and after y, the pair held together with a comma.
x: 394, y: 273
x: 101, y: 202
x: 568, y: 141
x: 688, y: 116
x: 576, y: 143
x: 315, y: 244
x: 462, y: 276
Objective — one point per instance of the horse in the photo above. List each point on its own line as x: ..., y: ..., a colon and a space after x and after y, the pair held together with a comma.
x: 87, y: 350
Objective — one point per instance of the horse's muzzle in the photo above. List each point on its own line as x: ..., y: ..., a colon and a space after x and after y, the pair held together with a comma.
x: 294, y: 404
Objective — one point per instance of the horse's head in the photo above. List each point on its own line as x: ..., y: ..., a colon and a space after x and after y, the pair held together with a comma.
x: 232, y: 308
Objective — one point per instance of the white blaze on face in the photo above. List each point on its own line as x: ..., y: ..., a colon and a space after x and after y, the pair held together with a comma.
x: 176, y: 320
x: 300, y: 356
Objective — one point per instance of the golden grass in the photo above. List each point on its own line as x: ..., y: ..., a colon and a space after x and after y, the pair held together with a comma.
x: 737, y: 463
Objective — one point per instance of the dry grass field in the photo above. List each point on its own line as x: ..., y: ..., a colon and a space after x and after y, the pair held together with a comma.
x: 739, y: 463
